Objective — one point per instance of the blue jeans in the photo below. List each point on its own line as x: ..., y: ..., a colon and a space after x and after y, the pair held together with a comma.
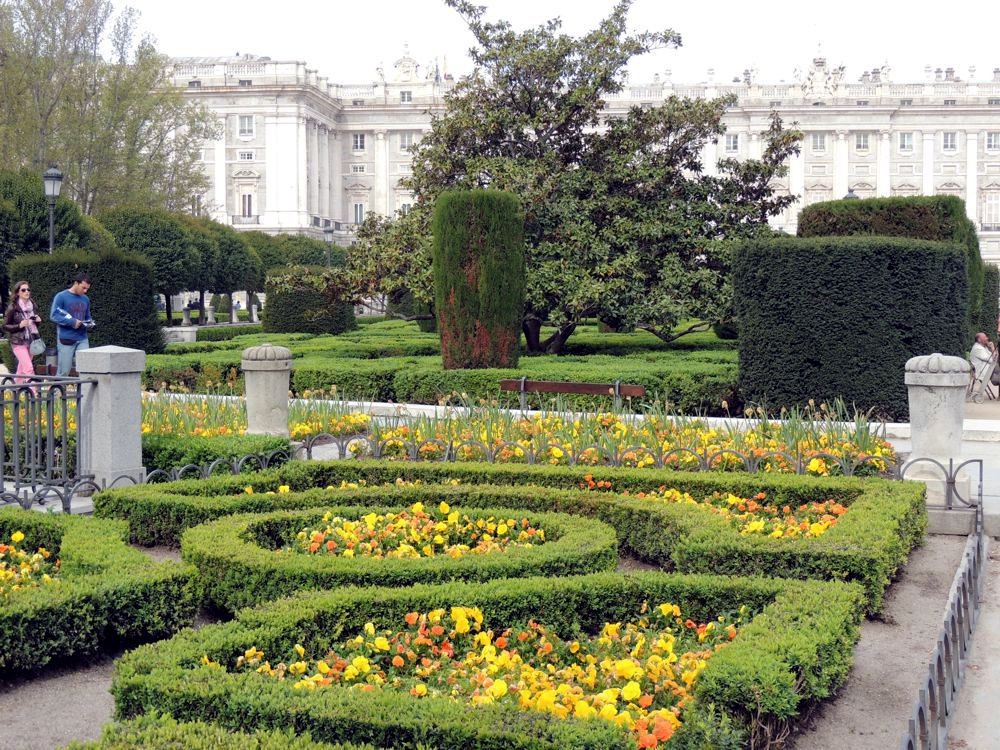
x: 67, y: 355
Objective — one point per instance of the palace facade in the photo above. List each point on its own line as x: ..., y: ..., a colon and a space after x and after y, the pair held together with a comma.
x: 299, y: 153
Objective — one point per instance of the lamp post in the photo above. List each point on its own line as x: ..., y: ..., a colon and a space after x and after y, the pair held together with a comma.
x: 52, y: 180
x: 328, y: 236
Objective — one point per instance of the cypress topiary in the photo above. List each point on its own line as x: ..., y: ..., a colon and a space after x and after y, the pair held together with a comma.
x: 297, y: 304
x: 121, y: 297
x: 830, y: 317
x: 990, y: 309
x: 479, y: 277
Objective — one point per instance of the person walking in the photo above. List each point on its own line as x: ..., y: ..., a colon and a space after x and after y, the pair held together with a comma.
x: 21, y: 325
x: 71, y: 314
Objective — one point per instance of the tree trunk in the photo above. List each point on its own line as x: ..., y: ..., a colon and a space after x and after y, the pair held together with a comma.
x: 532, y: 328
x: 169, y: 309
x: 554, y: 343
x: 201, y: 307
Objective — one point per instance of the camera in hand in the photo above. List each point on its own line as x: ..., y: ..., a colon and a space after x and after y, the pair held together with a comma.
x: 89, y: 324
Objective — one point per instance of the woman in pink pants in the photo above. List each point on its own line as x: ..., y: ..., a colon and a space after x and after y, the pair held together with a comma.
x: 21, y: 324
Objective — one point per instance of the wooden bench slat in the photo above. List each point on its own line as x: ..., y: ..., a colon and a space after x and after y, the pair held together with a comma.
x: 585, y: 389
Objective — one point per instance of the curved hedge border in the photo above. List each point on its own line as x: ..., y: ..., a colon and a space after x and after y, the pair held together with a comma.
x: 239, y: 572
x: 165, y: 733
x: 798, y: 648
x: 887, y: 519
x: 107, y: 593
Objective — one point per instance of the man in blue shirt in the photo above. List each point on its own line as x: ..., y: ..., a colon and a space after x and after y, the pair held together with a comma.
x: 71, y: 314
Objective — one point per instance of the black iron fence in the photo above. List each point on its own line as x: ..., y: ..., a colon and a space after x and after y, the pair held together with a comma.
x: 39, y: 432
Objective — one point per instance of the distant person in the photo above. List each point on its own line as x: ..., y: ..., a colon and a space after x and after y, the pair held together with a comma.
x: 983, y: 358
x: 71, y: 314
x: 21, y: 324
x: 236, y: 305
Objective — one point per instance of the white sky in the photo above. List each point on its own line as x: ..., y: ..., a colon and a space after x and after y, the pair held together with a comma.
x: 347, y: 40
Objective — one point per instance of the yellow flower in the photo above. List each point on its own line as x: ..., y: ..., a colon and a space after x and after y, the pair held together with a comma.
x: 283, y: 489
x: 248, y: 489
x: 631, y: 691
x: 444, y: 508
x: 17, y: 537
x: 498, y: 689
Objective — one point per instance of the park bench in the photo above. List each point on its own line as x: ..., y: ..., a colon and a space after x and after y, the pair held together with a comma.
x: 618, y: 390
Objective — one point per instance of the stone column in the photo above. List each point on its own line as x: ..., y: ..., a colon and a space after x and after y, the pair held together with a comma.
x: 336, y: 178
x: 312, y: 164
x: 110, y: 442
x: 209, y: 314
x: 936, y: 386
x: 883, y: 178
x: 324, y: 173
x: 840, y: 165
x: 382, y: 190
x: 756, y: 145
x: 253, y: 314
x: 971, y: 176
x: 927, y: 154
x: 710, y: 158
x: 796, y: 186
x: 266, y: 372
x: 222, y: 197
x: 186, y: 317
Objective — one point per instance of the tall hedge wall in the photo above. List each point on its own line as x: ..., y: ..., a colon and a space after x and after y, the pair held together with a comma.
x: 478, y: 277
x: 938, y: 217
x: 839, y: 316
x: 296, y: 305
x: 121, y: 296
x: 989, y: 312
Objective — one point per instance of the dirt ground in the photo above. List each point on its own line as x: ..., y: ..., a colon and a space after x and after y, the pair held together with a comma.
x: 871, y: 710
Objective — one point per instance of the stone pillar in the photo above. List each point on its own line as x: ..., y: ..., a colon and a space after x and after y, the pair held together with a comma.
x: 110, y: 421
x: 266, y: 371
x: 883, y: 179
x: 840, y: 165
x: 756, y: 145
x: 336, y: 178
x: 927, y: 153
x: 381, y: 197
x: 972, y: 176
x: 209, y: 314
x: 253, y: 314
x: 312, y: 167
x: 936, y: 386
x: 186, y: 317
x: 324, y: 173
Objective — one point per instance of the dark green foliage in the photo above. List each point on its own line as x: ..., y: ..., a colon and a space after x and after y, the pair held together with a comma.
x: 121, y: 297
x: 165, y: 733
x: 838, y: 317
x: 867, y: 545
x: 794, y: 651
x: 168, y: 452
x: 161, y: 237
x: 939, y: 217
x: 236, y: 554
x: 108, y: 594
x: 25, y: 191
x: 10, y: 245
x: 403, y: 306
x: 989, y: 312
x: 296, y: 304
x: 478, y: 277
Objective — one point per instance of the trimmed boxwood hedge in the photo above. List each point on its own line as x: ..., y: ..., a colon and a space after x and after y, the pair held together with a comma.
x: 838, y: 317
x: 235, y: 555
x: 868, y: 544
x: 107, y: 593
x: 166, y: 733
x: 797, y: 649
x: 166, y: 452
x: 296, y: 305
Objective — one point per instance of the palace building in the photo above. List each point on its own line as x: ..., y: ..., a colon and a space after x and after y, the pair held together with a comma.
x: 301, y: 154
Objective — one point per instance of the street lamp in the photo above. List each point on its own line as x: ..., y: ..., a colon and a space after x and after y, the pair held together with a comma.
x: 52, y: 180
x: 328, y: 236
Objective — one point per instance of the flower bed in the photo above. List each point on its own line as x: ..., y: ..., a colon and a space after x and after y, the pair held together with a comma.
x: 21, y: 570
x: 107, y: 594
x: 639, y: 675
x: 243, y: 559
x: 884, y: 519
x: 796, y: 647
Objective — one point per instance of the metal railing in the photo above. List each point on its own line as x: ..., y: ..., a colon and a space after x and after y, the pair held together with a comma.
x: 934, y: 707
x: 39, y: 431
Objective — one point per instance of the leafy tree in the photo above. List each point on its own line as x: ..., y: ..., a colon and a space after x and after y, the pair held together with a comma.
x: 204, y: 240
x: 621, y: 220
x: 237, y: 266
x: 162, y: 238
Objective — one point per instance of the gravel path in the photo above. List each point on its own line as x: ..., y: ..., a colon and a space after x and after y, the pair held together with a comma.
x: 872, y: 708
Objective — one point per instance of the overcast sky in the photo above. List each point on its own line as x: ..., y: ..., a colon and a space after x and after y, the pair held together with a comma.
x: 347, y: 40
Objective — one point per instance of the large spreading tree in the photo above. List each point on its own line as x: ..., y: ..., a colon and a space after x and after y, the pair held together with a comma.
x: 622, y: 222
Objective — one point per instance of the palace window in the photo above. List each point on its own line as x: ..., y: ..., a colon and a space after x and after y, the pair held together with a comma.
x: 358, y: 168
x: 862, y: 102
x: 405, y: 97
x: 905, y: 102
x: 405, y: 141
x: 194, y: 84
x: 949, y: 141
x: 404, y: 208
x: 906, y: 141
x: 732, y: 143
x: 245, y: 155
x: 246, y: 83
x: 861, y: 141
x: 246, y: 126
x: 774, y: 104
x: 359, y: 213
x: 358, y: 142
x: 991, y: 210
x: 819, y: 141
x: 994, y: 102
x: 357, y: 102
x: 950, y: 102
x: 246, y: 204
x: 993, y: 140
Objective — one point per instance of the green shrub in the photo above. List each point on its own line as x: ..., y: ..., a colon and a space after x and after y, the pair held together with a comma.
x: 939, y: 218
x: 166, y: 452
x: 404, y: 305
x: 107, y: 594
x: 236, y: 558
x: 479, y: 277
x: 165, y: 733
x: 796, y: 649
x: 226, y: 333
x: 990, y: 309
x: 121, y: 297
x: 868, y: 544
x: 838, y: 317
x: 296, y: 305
